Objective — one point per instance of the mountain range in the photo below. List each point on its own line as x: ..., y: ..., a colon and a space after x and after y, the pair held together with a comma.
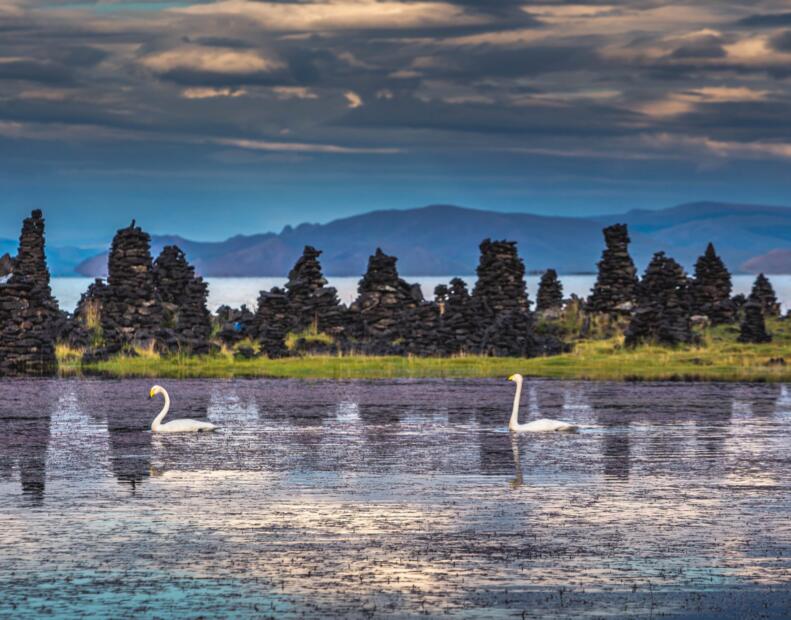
x: 444, y: 239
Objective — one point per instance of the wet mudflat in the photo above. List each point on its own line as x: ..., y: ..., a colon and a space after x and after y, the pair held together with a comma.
x: 395, y: 498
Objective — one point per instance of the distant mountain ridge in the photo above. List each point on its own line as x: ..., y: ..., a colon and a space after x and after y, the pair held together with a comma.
x: 443, y: 240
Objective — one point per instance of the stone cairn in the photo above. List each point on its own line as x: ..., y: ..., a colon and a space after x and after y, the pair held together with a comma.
x: 384, y: 298
x: 84, y: 330
x: 616, y: 284
x: 662, y: 315
x: 764, y: 294
x: 235, y: 324
x: 459, y: 323
x: 753, y: 327
x: 133, y: 310
x: 550, y: 292
x: 710, y: 290
x: 273, y: 321
x: 29, y: 315
x: 183, y: 295
x: 312, y: 302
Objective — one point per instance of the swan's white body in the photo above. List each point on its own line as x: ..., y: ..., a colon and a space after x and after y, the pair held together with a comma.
x: 543, y: 425
x: 175, y: 426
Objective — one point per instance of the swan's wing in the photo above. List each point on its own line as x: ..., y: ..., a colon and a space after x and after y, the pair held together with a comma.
x: 185, y: 426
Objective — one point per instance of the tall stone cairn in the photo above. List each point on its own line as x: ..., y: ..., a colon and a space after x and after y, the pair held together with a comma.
x: 663, y: 312
x: 550, y: 292
x: 710, y: 290
x: 273, y: 320
x: 84, y: 329
x: 753, y: 327
x: 459, y: 326
x: 501, y: 280
x: 421, y: 330
x: 764, y: 294
x: 383, y: 298
x: 312, y: 302
x: 616, y: 283
x: 133, y: 310
x: 183, y: 295
x: 29, y: 315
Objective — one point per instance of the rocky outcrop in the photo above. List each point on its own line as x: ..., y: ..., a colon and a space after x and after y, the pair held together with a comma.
x: 550, y: 292
x: 384, y: 298
x: 753, y: 327
x: 29, y: 316
x: 616, y: 284
x: 710, y: 289
x: 662, y: 315
x: 183, y: 295
x: 764, y: 294
x: 84, y: 328
x: 501, y: 280
x: 132, y: 311
x: 313, y: 304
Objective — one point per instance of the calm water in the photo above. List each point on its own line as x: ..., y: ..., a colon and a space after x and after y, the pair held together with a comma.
x: 237, y: 291
x: 395, y: 498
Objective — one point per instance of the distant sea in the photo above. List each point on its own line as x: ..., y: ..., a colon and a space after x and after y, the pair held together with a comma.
x: 237, y: 291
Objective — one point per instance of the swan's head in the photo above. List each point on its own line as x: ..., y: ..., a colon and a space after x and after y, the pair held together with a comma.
x: 156, y: 390
x: 515, y: 377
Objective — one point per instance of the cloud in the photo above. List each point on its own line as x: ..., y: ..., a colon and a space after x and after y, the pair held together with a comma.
x: 354, y: 100
x: 768, y: 20
x: 294, y: 92
x: 215, y: 60
x: 211, y: 93
x: 339, y: 14
x: 300, y: 147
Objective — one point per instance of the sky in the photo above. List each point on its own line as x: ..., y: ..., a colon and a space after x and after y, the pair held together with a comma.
x: 214, y: 118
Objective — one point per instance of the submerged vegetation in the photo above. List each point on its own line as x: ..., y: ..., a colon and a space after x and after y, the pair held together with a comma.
x: 717, y: 357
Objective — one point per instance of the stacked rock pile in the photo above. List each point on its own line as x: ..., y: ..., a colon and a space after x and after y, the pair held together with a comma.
x: 235, y: 324
x: 459, y: 327
x: 383, y: 298
x: 753, y: 327
x: 132, y: 310
x: 710, y: 290
x: 29, y: 315
x: 183, y: 295
x: 616, y: 283
x: 550, y: 292
x: 422, y: 330
x: 312, y: 302
x: 273, y: 322
x: 501, y: 280
x: 764, y: 294
x: 84, y: 329
x: 662, y: 314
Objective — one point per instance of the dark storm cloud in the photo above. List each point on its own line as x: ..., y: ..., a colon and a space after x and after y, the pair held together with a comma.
x: 376, y: 86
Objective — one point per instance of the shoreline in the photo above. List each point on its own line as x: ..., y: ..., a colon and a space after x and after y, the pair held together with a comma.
x: 597, y: 360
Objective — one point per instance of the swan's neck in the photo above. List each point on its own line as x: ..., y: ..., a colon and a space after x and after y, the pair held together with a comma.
x: 158, y: 420
x: 515, y: 412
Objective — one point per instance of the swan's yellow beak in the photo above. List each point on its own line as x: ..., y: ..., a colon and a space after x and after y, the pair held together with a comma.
x: 151, y: 393
x: 511, y: 378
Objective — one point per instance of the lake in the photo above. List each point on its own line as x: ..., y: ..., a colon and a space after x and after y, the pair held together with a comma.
x: 395, y: 499
x: 237, y: 291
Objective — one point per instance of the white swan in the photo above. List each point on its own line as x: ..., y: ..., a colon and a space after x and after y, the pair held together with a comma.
x: 537, y: 426
x: 175, y: 426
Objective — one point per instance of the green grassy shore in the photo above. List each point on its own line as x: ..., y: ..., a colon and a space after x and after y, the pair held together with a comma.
x: 719, y: 358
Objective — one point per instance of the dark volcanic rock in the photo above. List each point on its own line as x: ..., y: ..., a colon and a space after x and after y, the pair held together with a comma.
x: 6, y: 265
x: 383, y: 300
x: 663, y: 312
x: 501, y: 280
x: 753, y: 327
x: 550, y: 292
x: 183, y: 296
x: 29, y: 315
x: 84, y: 329
x: 764, y: 295
x: 312, y: 302
x: 133, y: 310
x: 616, y: 283
x: 273, y: 320
x: 235, y: 324
x: 710, y: 290
x: 459, y: 325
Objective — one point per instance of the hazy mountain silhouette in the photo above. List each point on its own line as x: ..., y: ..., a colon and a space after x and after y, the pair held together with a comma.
x: 443, y: 240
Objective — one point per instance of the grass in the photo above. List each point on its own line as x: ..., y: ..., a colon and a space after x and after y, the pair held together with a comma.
x: 719, y: 358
